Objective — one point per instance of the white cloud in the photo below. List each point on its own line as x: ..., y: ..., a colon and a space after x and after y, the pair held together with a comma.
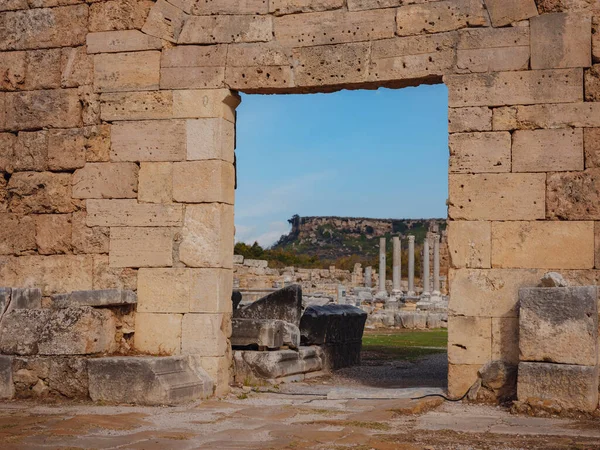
x: 249, y: 234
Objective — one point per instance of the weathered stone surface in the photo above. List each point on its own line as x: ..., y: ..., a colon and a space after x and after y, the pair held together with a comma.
x: 17, y: 234
x: 66, y: 149
x: 550, y: 245
x: 260, y: 79
x: 460, y: 378
x: 7, y: 151
x: 31, y: 151
x: 470, y: 341
x: 130, y: 213
x: 106, y: 277
x: 7, y: 387
x: 205, y: 334
x: 37, y: 69
x: 259, y: 366
x: 561, y: 40
x: 86, y: 239
x: 284, y: 304
x: 40, y: 192
x: 282, y: 7
x: 573, y: 195
x: 25, y: 298
x: 559, y: 325
x: 95, y: 298
x: 411, y: 320
x: 577, y: 115
x: 553, y: 279
x: 497, y: 382
x: 134, y: 71
x: 148, y: 140
x: 333, y: 324
x: 53, y: 233
x: 106, y: 180
x: 97, y: 146
x: 155, y: 182
x: 40, y: 376
x: 77, y: 67
x: 505, y: 339
x: 205, y: 103
x: 118, y: 14
x: 226, y: 28
x: 480, y: 152
x: 262, y: 332
x: 137, y: 105
x: 165, y: 21
x: 569, y: 386
x: 505, y: 12
x: 469, y: 119
x: 470, y: 244
x: 158, y: 334
x: 141, y: 247
x: 440, y: 16
x: 121, y: 41
x: 203, y: 182
x: 208, y: 7
x: 497, y: 196
x: 515, y: 88
x: 206, y: 236
x: 37, y: 109
x: 592, y: 84
x: 211, y: 138
x: 193, y: 67
x: 148, y: 380
x: 69, y: 331
x: 547, y: 150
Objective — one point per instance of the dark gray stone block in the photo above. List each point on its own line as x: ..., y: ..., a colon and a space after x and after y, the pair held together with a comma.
x: 25, y: 298
x: 4, y: 299
x: 95, y: 298
x: 284, y: 304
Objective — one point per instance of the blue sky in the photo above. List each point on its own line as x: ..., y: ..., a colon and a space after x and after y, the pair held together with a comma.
x: 380, y: 153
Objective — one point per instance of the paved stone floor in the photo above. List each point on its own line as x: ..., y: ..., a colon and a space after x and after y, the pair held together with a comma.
x: 283, y: 421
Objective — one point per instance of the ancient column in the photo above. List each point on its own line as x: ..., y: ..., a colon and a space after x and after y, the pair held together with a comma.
x: 397, y: 267
x: 436, y: 265
x: 368, y: 276
x: 425, y: 263
x: 411, y: 266
x: 382, y: 266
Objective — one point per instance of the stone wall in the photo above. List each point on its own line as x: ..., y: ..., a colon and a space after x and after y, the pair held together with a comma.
x: 117, y: 122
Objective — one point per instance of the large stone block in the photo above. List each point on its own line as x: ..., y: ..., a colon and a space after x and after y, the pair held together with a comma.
x: 118, y: 14
x: 24, y: 298
x: 547, y: 150
x: 469, y: 119
x: 17, y: 234
x: 559, y: 325
x: 69, y: 331
x: 259, y: 79
x: 225, y: 29
x: 515, y: 88
x: 550, y: 245
x: 205, y: 103
x: 460, y: 378
x: 7, y: 151
x: 561, y: 40
x: 336, y: 325
x: 40, y: 376
x: 480, y: 152
x: 262, y: 332
x: 505, y: 12
x: 29, y: 70
x: 505, y: 339
x: 497, y: 196
x: 155, y: 182
x: 573, y: 195
x: 106, y: 180
x: 219, y: 369
x: 282, y: 7
x: 66, y: 149
x: 158, y: 334
x: 284, y: 304
x: 121, y: 41
x: 141, y: 247
x: 130, y: 213
x: 77, y: 67
x: 136, y: 105
x: 95, y: 298
x: 469, y: 340
x: 193, y: 67
x: 577, y: 115
x: 440, y: 16
x: 7, y: 387
x: 568, y: 386
x: 148, y: 140
x: 31, y: 151
x: 259, y: 366
x: 40, y: 192
x: 211, y: 138
x: 148, y: 380
x: 37, y: 109
x: 205, y: 334
x: 106, y: 277
x: 592, y: 84
x: 203, y: 182
x: 134, y: 71
x: 470, y: 244
x: 208, y: 7
x: 53, y: 233
x: 86, y: 239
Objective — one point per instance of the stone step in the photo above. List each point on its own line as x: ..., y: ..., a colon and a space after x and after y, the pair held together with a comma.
x: 148, y: 380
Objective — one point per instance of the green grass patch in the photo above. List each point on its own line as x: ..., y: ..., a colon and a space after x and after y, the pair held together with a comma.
x: 406, y: 345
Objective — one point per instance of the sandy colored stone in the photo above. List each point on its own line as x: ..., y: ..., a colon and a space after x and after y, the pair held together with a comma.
x: 29, y: 70
x: 97, y: 144
x: 31, y: 151
x: 504, y: 118
x: 13, y: 5
x: 203, y: 182
x: 578, y: 115
x: 148, y: 140
x: 497, y: 196
x: 77, y: 67
x: 547, y: 150
x: 7, y: 151
x: 40, y: 192
x: 550, y: 245
x: 106, y: 180
x: 440, y: 16
x: 205, y: 334
x: 212, y: 138
x: 489, y: 292
x: 225, y: 29
x: 121, y: 41
x: 469, y: 340
x: 205, y: 103
x: 209, y: 7
x: 207, y: 236
x: 480, y: 152
x: 141, y: 247
x: 469, y: 119
x: 259, y: 79
x: 155, y: 182
x: 505, y: 339
x: 106, y: 277
x: 460, y: 378
x: 470, y: 244
x: 193, y: 67
x: 596, y: 38
x: 137, y: 105
x: 282, y: 7
x: 90, y: 102
x: 53, y: 233
x: 505, y: 12
x: 88, y: 239
x: 514, y: 88
x: 165, y: 21
x: 561, y: 40
x: 130, y: 213
x: 133, y: 71
x: 66, y: 149
x: 573, y: 195
x: 182, y: 290
x: 158, y: 334
x: 592, y: 84
x: 591, y: 147
x: 219, y: 370
x: 37, y: 109
x: 258, y: 54
x: 118, y: 14
x: 17, y: 234
x: 333, y: 27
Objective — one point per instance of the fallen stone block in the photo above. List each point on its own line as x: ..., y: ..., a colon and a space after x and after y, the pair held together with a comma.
x: 261, y: 332
x: 553, y: 279
x: 559, y: 325
x: 291, y: 335
x: 7, y: 388
x: 332, y: 324
x: 434, y: 320
x: 284, y: 304
x: 411, y: 320
x: 68, y: 331
x: 568, y: 386
x: 148, y: 380
x: 253, y: 366
x: 96, y: 298
x: 381, y: 319
x: 496, y: 382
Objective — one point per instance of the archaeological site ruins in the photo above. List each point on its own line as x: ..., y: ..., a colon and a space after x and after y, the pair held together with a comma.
x: 117, y: 139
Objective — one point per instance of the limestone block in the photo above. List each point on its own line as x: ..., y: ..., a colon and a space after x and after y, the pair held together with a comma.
x: 260, y: 79
x: 69, y: 331
x: 282, y: 7
x: 578, y: 115
x: 469, y: 119
x: 90, y: 102
x: 130, y: 213
x: 331, y: 64
x: 596, y: 38
x: 88, y: 239
x: 106, y: 277
x: 480, y: 152
x: 561, y: 40
x: 258, y: 54
x: 25, y: 298
x: 261, y: 332
x: 205, y: 103
x: 17, y: 234
x: 225, y: 29
x: 64, y: 26
x: 208, y: 7
x: 505, y: 339
x: 489, y: 293
x: 158, y: 334
x: 255, y: 366
x: 505, y: 12
x: 184, y: 290
x: 569, y: 386
x: 203, y: 182
x: 53, y: 233
x: 559, y: 325
x: 497, y: 196
x: 77, y: 67
x: 469, y: 340
x: 148, y: 140
x: 333, y: 27
x: 106, y: 180
x: 137, y: 105
x: 13, y: 5
x: 218, y: 369
x: 597, y: 244
x: 284, y: 304
x: 573, y: 195
x: 460, y: 378
x: 515, y: 88
x: 504, y: 118
x: 97, y: 146
x: 40, y: 192
x: 155, y: 184
x: 547, y: 150
x: 470, y: 244
x: 440, y: 16
x: 212, y: 138
x: 7, y: 387
x: 7, y: 151
x: 118, y: 14
x: 31, y: 151
x: 134, y: 71
x: 66, y: 149
x: 95, y: 298
x: 207, y: 236
x: 165, y: 21
x: 121, y: 41
x: 141, y: 247
x: 193, y: 67
x: 551, y: 245
x: 205, y: 334
x: 358, y: 5
x: 592, y: 84
x: 259, y: 263
x: 38, y: 69
x: 37, y: 109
